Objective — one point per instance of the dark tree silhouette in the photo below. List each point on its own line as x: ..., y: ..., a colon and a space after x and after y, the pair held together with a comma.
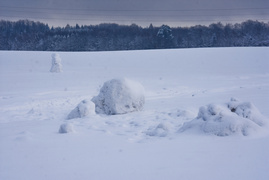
x: 37, y: 36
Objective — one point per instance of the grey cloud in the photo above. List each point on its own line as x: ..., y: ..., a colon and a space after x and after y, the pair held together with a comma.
x: 141, y: 12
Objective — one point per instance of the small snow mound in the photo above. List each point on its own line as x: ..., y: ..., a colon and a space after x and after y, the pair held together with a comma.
x: 119, y: 96
x: 246, y: 110
x: 227, y: 119
x: 83, y: 109
x: 56, y: 66
x: 161, y: 130
x: 66, y: 128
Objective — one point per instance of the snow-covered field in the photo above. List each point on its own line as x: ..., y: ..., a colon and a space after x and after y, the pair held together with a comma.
x: 148, y: 144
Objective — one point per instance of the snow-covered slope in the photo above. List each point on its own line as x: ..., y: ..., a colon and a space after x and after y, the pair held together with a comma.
x: 148, y: 144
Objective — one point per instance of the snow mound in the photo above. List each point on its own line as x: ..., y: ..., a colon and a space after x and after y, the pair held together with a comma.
x: 66, y: 128
x: 84, y: 108
x: 235, y: 117
x: 119, y: 96
x: 161, y: 130
x: 246, y: 110
x: 56, y: 65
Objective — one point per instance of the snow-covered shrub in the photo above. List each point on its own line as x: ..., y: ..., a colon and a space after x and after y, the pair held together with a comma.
x: 66, y: 128
x: 84, y: 108
x: 119, y: 96
x: 227, y: 119
x: 161, y: 130
x: 246, y: 110
x: 56, y: 65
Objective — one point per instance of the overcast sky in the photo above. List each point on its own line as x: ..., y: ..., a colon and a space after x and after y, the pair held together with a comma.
x: 141, y: 12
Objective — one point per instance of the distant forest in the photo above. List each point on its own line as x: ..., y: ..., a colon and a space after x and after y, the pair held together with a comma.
x: 37, y: 36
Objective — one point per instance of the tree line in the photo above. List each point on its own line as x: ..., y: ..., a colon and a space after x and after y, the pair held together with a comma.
x: 37, y: 36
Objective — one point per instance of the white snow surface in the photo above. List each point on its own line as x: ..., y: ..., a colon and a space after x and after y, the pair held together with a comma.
x: 180, y: 86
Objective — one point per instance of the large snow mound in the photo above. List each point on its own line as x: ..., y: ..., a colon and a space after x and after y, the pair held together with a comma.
x: 235, y: 117
x: 119, y: 96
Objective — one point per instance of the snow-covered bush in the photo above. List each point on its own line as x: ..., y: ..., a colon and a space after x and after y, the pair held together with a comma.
x: 246, y: 110
x: 223, y: 120
x: 119, y: 96
x: 66, y: 128
x: 56, y: 65
x: 84, y: 108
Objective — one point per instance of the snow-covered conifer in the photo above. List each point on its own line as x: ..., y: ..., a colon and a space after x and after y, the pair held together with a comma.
x: 56, y: 65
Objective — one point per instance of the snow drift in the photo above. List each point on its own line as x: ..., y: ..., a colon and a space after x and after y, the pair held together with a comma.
x: 235, y: 117
x: 119, y: 96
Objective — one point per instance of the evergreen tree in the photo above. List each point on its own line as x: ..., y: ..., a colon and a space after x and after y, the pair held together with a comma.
x: 29, y: 35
